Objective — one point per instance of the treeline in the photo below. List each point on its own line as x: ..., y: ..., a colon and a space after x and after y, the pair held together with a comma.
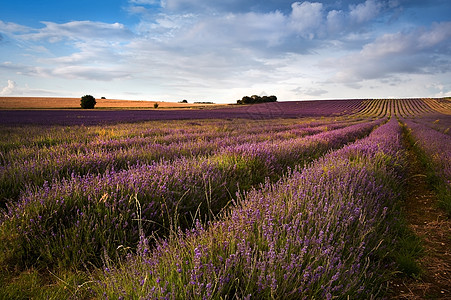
x: 256, y: 99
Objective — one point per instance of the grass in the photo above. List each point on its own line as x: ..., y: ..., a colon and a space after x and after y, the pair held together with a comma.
x: 409, y: 250
x: 435, y: 181
x: 44, y: 284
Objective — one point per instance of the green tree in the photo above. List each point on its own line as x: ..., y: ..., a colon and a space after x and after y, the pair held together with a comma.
x: 272, y: 98
x: 88, y: 102
x: 256, y: 99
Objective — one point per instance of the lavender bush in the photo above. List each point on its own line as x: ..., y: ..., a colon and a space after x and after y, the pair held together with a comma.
x: 52, y: 156
x: 435, y: 148
x: 69, y: 222
x: 320, y: 232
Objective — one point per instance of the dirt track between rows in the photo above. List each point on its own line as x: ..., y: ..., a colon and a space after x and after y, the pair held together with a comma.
x: 433, y: 226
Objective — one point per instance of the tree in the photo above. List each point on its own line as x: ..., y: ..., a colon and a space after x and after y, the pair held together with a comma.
x: 272, y: 98
x: 256, y: 99
x: 88, y: 102
x: 155, y: 105
x: 246, y: 100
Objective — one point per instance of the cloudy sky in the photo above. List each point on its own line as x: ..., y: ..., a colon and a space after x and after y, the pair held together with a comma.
x: 207, y: 50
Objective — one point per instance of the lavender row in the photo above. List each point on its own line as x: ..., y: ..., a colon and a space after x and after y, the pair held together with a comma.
x: 61, y: 162
x: 264, y: 111
x: 437, y: 146
x: 438, y: 122
x: 162, y: 131
x: 72, y: 220
x: 435, y: 153
x: 18, y: 145
x: 320, y: 233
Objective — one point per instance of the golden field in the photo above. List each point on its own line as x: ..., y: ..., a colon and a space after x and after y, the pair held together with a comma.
x: 64, y: 103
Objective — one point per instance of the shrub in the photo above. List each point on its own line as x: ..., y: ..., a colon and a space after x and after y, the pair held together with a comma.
x: 155, y: 105
x: 88, y: 102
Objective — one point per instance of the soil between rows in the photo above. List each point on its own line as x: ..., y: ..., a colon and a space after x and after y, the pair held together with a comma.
x: 433, y: 226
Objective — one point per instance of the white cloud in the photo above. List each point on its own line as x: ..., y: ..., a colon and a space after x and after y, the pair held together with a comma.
x: 13, y: 89
x: 237, y: 30
x: 309, y: 91
x: 11, y: 28
x: 306, y: 18
x: 195, y: 47
x: 336, y: 20
x: 9, y: 89
x: 419, y: 51
x: 440, y: 90
x: 79, y: 30
x: 365, y: 12
x: 90, y: 73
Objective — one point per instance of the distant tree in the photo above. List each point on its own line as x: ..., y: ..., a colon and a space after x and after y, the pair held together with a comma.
x: 184, y: 101
x: 256, y: 99
x: 103, y: 98
x: 246, y: 100
x: 155, y: 105
x: 88, y: 102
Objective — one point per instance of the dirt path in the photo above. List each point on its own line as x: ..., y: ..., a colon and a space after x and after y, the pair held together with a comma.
x: 432, y: 225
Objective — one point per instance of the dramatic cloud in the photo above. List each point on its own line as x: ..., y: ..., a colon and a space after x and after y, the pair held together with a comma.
x: 418, y: 51
x: 295, y: 49
x: 306, y: 18
x: 365, y: 12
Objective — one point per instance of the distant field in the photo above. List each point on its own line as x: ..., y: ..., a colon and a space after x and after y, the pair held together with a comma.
x: 62, y: 103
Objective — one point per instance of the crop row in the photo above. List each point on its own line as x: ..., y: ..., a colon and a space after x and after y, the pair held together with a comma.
x: 71, y: 221
x: 264, y: 111
x: 435, y: 148
x: 438, y: 122
x: 34, y: 166
x: 36, y: 137
x: 436, y: 144
x: 403, y: 107
x: 321, y: 232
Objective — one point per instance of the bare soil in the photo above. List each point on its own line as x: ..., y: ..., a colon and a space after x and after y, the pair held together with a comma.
x: 433, y: 226
x: 63, y: 103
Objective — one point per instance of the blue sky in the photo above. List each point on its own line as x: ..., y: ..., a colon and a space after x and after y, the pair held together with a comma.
x: 219, y: 51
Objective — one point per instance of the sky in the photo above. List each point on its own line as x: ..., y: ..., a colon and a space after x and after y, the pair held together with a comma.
x: 220, y: 51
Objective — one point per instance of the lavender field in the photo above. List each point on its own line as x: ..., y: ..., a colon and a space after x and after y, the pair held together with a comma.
x: 289, y: 200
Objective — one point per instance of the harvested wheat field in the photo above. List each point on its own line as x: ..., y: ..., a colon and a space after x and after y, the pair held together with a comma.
x: 64, y: 103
